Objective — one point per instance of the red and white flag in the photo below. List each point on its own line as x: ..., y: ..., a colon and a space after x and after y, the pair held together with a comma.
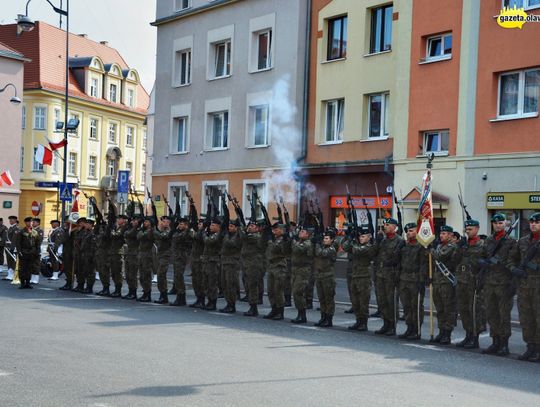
x: 425, y: 229
x: 7, y: 178
x: 43, y: 156
x: 56, y: 146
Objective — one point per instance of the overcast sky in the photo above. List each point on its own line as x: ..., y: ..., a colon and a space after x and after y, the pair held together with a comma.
x: 125, y: 24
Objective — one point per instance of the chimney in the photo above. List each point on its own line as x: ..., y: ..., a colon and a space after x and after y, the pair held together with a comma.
x: 83, y: 35
x: 106, y: 43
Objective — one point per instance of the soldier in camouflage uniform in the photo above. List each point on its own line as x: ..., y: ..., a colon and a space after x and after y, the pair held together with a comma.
x: 115, y: 253
x: 103, y: 241
x: 197, y: 273
x: 36, y: 225
x: 211, y: 261
x: 131, y: 261
x: 55, y: 247
x: 325, y: 278
x: 11, y: 246
x: 497, y: 280
x: 525, y: 267
x: 28, y: 246
x: 387, y: 277
x: 88, y: 255
x: 162, y: 237
x: 67, y: 253
x: 444, y: 291
x: 302, y: 251
x: 264, y: 264
x: 230, y: 260
x: 145, y: 236
x: 361, y: 252
x: 467, y: 268
x: 412, y: 279
x: 182, y: 241
x: 277, y: 251
x: 79, y: 233
x: 252, y: 250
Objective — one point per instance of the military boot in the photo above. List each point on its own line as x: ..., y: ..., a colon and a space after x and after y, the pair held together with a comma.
x: 528, y: 353
x: 79, y: 288
x: 414, y: 335
x: 438, y: 338
x: 104, y: 292
x: 405, y: 334
x: 261, y: 302
x: 288, y: 302
x: 473, y: 342
x: 66, y: 287
x: 320, y: 321
x: 536, y: 355
x: 391, y: 329
x: 131, y: 295
x: 89, y: 289
x: 271, y: 314
x: 228, y: 309
x: 300, y: 318
x: 383, y: 329
x: 117, y: 292
x: 376, y: 314
x: 211, y: 305
x: 465, y: 341
x: 252, y: 312
x: 446, y: 339
x: 244, y: 298
x: 354, y: 326
x: 503, y: 347
x: 327, y: 323
x: 279, y: 314
x: 494, y: 347
x: 179, y: 301
x: 145, y: 297
x: 163, y: 299
x: 309, y: 305
x: 172, y: 291
x: 198, y: 304
x: 349, y: 311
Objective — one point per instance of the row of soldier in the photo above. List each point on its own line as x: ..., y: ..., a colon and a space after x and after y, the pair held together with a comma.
x: 473, y: 277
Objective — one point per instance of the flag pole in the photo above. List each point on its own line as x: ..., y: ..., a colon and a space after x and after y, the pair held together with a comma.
x: 429, y: 166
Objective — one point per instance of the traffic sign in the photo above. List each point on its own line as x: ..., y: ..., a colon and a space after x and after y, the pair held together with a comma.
x: 122, y: 197
x: 66, y: 191
x: 36, y: 208
x: 45, y: 184
x: 123, y: 187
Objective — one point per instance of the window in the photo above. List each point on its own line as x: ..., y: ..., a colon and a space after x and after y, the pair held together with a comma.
x: 24, y: 117
x: 183, y: 64
x: 113, y: 128
x: 144, y: 139
x: 179, y: 192
x: 72, y: 164
x: 252, y: 187
x: 259, y: 125
x: 179, y: 139
x: 378, y: 115
x: 439, y: 47
x: 112, y: 92
x: 518, y: 93
x: 40, y: 113
x: 131, y: 98
x: 94, y: 129
x: 337, y: 38
x: 129, y: 135
x: 143, y: 175
x: 381, y: 29
x: 436, y: 142
x: 264, y: 49
x: 222, y: 59
x: 220, y: 130
x: 92, y: 166
x: 527, y: 4
x: 214, y: 190
x: 129, y: 167
x: 334, y: 120
x: 111, y: 167
x: 183, y: 4
x: 94, y: 83
x: 57, y: 117
x: 37, y: 166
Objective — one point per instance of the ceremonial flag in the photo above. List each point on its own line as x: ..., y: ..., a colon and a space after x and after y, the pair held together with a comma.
x: 74, y: 215
x: 7, y: 178
x: 425, y: 229
x: 43, y: 156
x: 56, y: 146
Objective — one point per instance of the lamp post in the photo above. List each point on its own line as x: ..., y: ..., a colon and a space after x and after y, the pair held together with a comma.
x: 15, y: 99
x: 24, y: 23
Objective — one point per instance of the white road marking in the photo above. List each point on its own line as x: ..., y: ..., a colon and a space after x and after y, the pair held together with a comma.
x: 429, y: 347
x: 2, y: 373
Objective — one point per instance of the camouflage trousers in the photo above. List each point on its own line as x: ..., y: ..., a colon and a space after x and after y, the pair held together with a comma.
x: 67, y: 262
x: 276, y: 279
x: 499, y: 305
x: 103, y: 270
x: 262, y: 273
x: 110, y: 266
x: 529, y: 309
x: 411, y: 295
x: 252, y: 270
x: 360, y: 292
x: 12, y: 263
x: 310, y: 289
x: 211, y: 276
x: 444, y: 299
x: 287, y: 283
x: 27, y: 265
x: 179, y: 266
x: 385, y: 286
x: 230, y: 281
x: 132, y: 267
x: 466, y: 303
x: 300, y: 277
x: 197, y: 278
x: 162, y: 267
x: 88, y: 271
x: 145, y: 271
x: 326, y: 291
x: 36, y: 266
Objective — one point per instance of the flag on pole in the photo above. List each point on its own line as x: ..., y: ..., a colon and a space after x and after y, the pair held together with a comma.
x: 425, y: 229
x: 56, y: 146
x: 43, y: 155
x: 7, y: 178
x: 74, y: 215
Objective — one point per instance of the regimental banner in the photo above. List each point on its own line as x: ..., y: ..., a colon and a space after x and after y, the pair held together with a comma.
x: 425, y: 228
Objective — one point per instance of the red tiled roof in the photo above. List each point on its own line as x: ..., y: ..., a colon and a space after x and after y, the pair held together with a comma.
x: 45, y: 45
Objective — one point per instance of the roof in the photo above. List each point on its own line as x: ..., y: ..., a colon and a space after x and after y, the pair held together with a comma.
x: 415, y: 194
x: 8, y: 52
x: 45, y: 46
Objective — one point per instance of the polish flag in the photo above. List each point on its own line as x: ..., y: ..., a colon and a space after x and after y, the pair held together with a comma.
x: 56, y: 146
x: 7, y: 178
x: 43, y: 155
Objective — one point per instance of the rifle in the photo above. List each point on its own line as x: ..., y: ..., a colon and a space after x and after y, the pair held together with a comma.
x: 319, y: 214
x: 353, y: 222
x: 263, y: 210
x: 286, y: 215
x: 370, y: 218
x: 194, y: 218
x: 111, y: 217
x: 253, y: 213
x: 153, y: 206
x: 464, y: 211
x: 169, y: 209
x: 279, y: 212
x: 226, y: 213
x: 93, y: 202
x: 237, y: 209
x: 399, y: 216
x: 378, y: 206
x: 177, y: 209
x: 139, y: 203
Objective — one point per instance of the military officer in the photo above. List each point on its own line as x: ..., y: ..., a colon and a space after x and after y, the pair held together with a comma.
x: 211, y: 261
x: 36, y: 225
x: 253, y: 245
x: 162, y: 237
x: 28, y: 248
x: 325, y: 278
x: 145, y: 236
x: 115, y: 253
x: 182, y: 241
x: 102, y: 263
x: 69, y: 231
x: 55, y: 247
x: 197, y: 272
x: 80, y: 231
x: 88, y: 255
x: 11, y: 248
x: 230, y: 260
x: 130, y: 258
x: 302, y: 261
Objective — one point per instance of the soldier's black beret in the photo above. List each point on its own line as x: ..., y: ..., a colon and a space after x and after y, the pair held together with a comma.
x: 28, y: 219
x: 201, y: 220
x: 12, y: 217
x: 165, y: 217
x: 391, y: 221
x: 1, y: 219
x: 472, y: 222
x: 217, y: 221
x: 277, y: 225
x: 330, y: 233
x: 535, y: 217
x: 307, y: 229
x: 293, y: 224
x: 90, y: 221
x: 364, y: 230
x: 123, y: 217
x: 149, y: 219
x: 36, y: 220
x: 410, y: 225
x: 446, y: 228
x: 457, y: 235
x: 183, y: 220
x: 55, y: 221
x: 498, y: 217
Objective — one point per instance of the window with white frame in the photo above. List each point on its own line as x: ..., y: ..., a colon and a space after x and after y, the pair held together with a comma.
x: 24, y: 117
x: 436, y: 142
x: 112, y: 165
x: 182, y: 4
x: 113, y: 92
x: 144, y: 138
x: 94, y: 86
x: 57, y: 117
x: 92, y: 166
x: 264, y: 49
x: 527, y: 4
x: 72, y: 164
x: 131, y: 97
x: 381, y: 29
x: 183, y: 67
x: 337, y: 38
x: 179, y: 135
x: 178, y: 192
x: 129, y: 167
x: 518, y: 93
x: 222, y: 58
x: 259, y: 124
x: 94, y: 125
x: 439, y: 47
x: 335, y: 110
x: 143, y: 174
x: 214, y: 190
x: 252, y: 188
x: 378, y: 115
x: 130, y: 132
x: 219, y: 130
x: 40, y: 116
x: 113, y: 131
x: 37, y: 166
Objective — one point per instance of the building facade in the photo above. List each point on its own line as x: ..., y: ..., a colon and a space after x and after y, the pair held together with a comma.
x: 229, y: 98
x: 105, y: 95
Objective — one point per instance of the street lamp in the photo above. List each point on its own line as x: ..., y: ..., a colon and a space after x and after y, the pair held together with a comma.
x: 15, y: 99
x: 25, y: 23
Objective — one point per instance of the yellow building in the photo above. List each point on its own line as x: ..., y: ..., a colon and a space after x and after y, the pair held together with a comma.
x: 105, y: 95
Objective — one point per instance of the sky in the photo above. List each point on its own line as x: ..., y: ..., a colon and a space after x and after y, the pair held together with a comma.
x: 125, y: 24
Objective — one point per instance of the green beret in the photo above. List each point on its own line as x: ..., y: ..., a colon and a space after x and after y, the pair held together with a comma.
x: 472, y: 222
x: 216, y: 221
x: 391, y: 221
x: 330, y: 233
x: 28, y: 219
x: 410, y: 226
x: 446, y: 228
x: 122, y: 217
x: 277, y: 225
x: 364, y: 230
x: 535, y: 217
x: 498, y: 217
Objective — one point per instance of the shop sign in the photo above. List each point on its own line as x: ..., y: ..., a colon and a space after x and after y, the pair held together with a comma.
x: 384, y: 202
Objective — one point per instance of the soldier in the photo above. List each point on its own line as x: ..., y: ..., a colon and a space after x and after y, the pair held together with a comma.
x: 197, y: 272
x: 264, y: 229
x: 3, y: 241
x: 302, y: 251
x: 36, y: 225
x: 182, y: 241
x: 525, y: 266
x: 69, y: 231
x: 211, y: 260
x: 131, y: 261
x: 145, y: 236
x: 466, y: 258
x: 252, y: 259
x: 103, y: 266
x: 389, y: 246
x: 412, y: 278
x: 28, y: 248
x: 326, y: 279
x: 88, y: 256
x: 55, y: 247
x: 162, y: 237
x: 79, y: 232
x: 115, y: 253
x: 11, y: 249
x: 230, y: 260
x: 497, y: 280
x: 444, y: 291
x: 277, y: 252
x: 361, y: 252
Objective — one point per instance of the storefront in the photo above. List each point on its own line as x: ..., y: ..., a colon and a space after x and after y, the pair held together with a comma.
x: 379, y: 208
x: 515, y: 205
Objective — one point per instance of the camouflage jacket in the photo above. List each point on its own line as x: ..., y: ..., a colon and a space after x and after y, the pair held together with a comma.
x: 146, y: 241
x: 498, y: 271
x: 277, y: 252
x: 231, y: 248
x: 387, y: 261
x: 182, y: 241
x: 466, y: 259
x: 327, y: 261
x: 212, y: 246
x: 527, y: 248
x: 130, y: 236
x: 444, y: 253
x: 117, y: 239
x: 413, y: 262
x: 302, y: 253
x: 28, y: 243
x: 361, y: 257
